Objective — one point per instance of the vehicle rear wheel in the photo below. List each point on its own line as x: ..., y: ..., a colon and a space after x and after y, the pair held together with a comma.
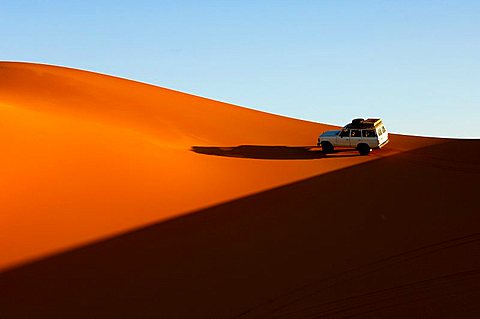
x: 363, y: 149
x: 327, y: 147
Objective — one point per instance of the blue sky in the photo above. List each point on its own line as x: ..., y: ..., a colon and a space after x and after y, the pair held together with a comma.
x: 416, y: 64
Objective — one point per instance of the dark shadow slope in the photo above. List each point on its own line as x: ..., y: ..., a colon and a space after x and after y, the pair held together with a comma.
x: 392, y: 238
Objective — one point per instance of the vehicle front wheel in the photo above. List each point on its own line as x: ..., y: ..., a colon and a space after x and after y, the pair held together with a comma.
x: 363, y: 149
x: 327, y: 147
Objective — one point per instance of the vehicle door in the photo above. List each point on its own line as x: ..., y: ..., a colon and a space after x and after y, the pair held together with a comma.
x: 343, y: 138
x: 355, y: 137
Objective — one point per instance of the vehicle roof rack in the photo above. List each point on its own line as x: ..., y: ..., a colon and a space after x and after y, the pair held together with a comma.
x: 363, y: 124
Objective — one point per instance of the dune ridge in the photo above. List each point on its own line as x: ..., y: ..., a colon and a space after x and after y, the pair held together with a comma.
x: 103, y: 177
x: 89, y: 155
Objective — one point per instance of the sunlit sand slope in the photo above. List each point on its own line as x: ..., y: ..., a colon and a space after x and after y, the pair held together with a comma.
x: 87, y: 156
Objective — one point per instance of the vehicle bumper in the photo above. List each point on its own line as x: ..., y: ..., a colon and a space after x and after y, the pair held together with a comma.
x: 384, y: 143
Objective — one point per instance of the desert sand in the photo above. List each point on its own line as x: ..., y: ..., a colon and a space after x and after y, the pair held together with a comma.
x: 122, y: 199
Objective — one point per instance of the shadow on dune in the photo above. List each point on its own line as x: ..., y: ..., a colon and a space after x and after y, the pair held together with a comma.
x: 272, y: 152
x: 383, y: 239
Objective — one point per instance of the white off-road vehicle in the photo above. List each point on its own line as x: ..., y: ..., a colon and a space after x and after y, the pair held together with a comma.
x: 360, y: 134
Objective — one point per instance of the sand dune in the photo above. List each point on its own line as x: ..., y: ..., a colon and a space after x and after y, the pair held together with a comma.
x: 216, y: 211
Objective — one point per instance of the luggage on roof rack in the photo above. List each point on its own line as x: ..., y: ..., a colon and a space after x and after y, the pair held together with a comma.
x: 363, y: 124
x: 357, y: 121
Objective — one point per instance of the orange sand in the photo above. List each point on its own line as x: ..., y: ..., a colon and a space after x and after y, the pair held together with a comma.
x: 87, y: 157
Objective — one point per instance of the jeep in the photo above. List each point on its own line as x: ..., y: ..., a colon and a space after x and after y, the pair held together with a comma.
x: 363, y: 135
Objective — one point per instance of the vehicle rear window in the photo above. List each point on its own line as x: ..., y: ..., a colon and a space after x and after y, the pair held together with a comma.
x: 369, y: 133
x: 355, y: 133
x: 379, y: 131
x: 383, y: 129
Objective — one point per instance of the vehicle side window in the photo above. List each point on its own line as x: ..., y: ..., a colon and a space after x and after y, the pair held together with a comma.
x: 369, y: 133
x: 345, y: 133
x: 355, y: 133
